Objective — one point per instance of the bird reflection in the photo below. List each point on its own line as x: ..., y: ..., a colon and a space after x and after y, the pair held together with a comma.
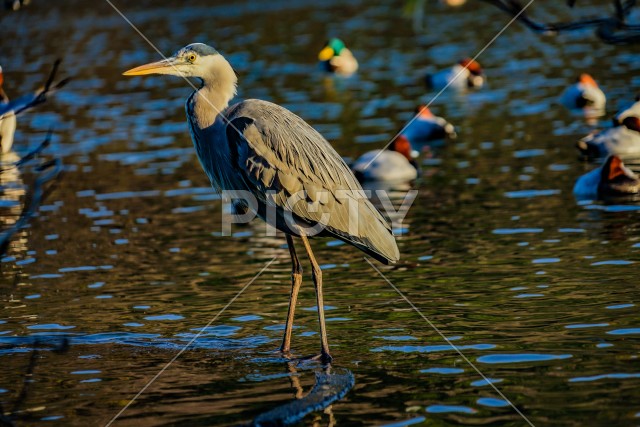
x: 12, y: 201
x: 332, y: 384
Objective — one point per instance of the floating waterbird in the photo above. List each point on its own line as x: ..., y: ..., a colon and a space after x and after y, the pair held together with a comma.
x: 623, y: 139
x: 15, y: 4
x: 426, y: 127
x: 465, y: 74
x: 395, y: 164
x: 584, y: 95
x: 336, y: 58
x: 7, y: 120
x: 632, y: 110
x: 612, y: 179
x: 264, y: 149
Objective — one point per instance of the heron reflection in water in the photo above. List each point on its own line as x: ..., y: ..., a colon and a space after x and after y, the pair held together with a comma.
x: 12, y: 201
x: 259, y: 147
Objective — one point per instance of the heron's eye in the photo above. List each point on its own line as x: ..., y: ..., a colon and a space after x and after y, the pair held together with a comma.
x: 191, y: 57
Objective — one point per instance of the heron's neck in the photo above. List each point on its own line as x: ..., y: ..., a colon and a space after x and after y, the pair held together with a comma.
x: 218, y: 88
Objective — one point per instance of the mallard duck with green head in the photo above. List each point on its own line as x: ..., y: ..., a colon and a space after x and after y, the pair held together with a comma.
x: 336, y: 58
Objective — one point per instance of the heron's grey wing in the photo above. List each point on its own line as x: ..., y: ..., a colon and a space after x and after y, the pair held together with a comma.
x: 288, y: 164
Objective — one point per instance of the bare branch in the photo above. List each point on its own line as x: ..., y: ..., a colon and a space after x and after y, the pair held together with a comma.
x: 610, y: 29
x: 27, y: 102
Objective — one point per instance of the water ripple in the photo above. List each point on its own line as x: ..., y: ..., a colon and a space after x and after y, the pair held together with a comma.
x: 522, y: 194
x: 521, y: 358
x: 492, y: 402
x: 443, y: 409
x: 627, y: 331
x: 443, y: 371
x: 613, y: 262
x: 431, y: 348
x: 517, y: 230
x: 604, y: 376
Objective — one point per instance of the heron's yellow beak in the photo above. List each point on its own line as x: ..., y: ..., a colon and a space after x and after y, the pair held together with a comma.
x: 166, y: 66
x: 325, y: 54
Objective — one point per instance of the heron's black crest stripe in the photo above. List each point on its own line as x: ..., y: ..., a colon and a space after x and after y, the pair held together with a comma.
x: 202, y: 49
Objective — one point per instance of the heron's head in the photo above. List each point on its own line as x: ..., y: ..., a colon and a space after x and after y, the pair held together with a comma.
x: 332, y: 48
x: 194, y: 60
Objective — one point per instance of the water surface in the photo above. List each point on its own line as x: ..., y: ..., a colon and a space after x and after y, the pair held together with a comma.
x: 125, y: 262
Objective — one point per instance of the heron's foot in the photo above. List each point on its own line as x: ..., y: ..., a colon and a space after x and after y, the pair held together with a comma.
x: 286, y: 353
x: 324, y: 358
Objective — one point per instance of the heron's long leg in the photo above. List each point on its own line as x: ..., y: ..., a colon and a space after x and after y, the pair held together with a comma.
x: 296, y: 281
x: 317, y: 281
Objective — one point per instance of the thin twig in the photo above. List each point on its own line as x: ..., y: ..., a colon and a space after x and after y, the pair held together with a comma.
x: 610, y: 29
x: 29, y: 101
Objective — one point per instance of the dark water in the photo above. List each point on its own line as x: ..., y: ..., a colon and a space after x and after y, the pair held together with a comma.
x: 125, y: 262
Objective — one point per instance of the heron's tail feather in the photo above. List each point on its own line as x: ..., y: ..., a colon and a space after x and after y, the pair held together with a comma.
x: 373, y: 237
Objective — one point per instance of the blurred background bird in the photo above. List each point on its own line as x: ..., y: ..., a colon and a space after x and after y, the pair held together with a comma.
x: 336, y: 58
x: 585, y: 95
x: 394, y: 164
x: 15, y: 4
x: 425, y: 127
x: 454, y: 3
x: 7, y: 120
x: 623, y: 139
x: 466, y: 74
x: 630, y: 111
x: 612, y: 179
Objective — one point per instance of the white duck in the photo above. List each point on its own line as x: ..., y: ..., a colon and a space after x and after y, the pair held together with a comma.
x: 7, y: 120
x: 613, y: 178
x: 585, y: 95
x: 394, y: 164
x: 623, y: 139
x: 631, y: 111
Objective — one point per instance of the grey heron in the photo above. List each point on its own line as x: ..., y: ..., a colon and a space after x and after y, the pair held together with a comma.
x: 259, y: 147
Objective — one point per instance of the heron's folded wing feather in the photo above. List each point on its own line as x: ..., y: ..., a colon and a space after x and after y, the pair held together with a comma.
x: 281, y: 155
